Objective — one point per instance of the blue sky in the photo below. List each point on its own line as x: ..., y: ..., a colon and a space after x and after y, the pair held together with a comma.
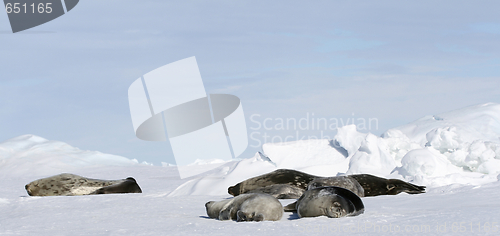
x: 395, y: 61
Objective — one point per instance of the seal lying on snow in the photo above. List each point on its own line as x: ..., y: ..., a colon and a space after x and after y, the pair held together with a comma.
x: 375, y: 186
x: 333, y: 202
x: 72, y: 185
x: 297, y: 179
x: 246, y: 207
x: 280, y: 191
x: 371, y: 185
x: 346, y: 182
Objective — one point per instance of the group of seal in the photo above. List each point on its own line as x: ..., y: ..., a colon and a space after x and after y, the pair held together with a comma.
x: 255, y: 199
x: 74, y: 185
x: 334, y: 197
x: 363, y: 185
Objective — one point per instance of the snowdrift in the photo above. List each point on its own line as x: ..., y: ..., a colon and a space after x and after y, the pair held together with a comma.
x: 30, y: 155
x: 457, y: 147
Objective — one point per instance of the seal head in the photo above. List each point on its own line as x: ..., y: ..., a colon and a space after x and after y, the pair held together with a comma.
x: 375, y: 186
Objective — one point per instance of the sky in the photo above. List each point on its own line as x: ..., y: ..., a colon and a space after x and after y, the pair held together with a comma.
x: 378, y: 65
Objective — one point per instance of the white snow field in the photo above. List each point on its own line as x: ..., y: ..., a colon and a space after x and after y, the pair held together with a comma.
x: 455, y: 154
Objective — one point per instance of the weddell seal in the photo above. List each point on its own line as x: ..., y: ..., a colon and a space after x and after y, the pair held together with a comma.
x: 73, y: 185
x: 294, y: 178
x: 334, y: 202
x: 364, y: 185
x: 375, y: 186
x: 338, y: 181
x: 280, y: 191
x: 246, y: 207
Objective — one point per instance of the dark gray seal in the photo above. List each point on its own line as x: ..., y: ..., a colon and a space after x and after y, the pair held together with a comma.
x: 346, y: 182
x: 333, y: 202
x: 280, y: 191
x: 375, y: 186
x: 74, y: 185
x: 246, y: 207
x: 371, y: 185
x: 281, y: 176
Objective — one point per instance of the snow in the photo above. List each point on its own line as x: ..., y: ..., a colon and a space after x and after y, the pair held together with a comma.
x: 289, y: 155
x: 431, y: 151
x: 456, y: 154
x: 426, y: 162
x: 26, y: 154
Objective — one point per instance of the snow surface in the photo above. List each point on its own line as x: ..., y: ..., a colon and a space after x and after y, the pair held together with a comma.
x: 35, y: 156
x: 458, y: 147
x: 456, y: 154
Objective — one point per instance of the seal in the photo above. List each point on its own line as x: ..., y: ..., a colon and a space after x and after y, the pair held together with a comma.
x: 280, y: 191
x: 370, y: 185
x: 346, y: 182
x: 128, y: 185
x: 375, y: 186
x: 73, y: 185
x: 281, y: 176
x: 246, y: 207
x: 334, y: 202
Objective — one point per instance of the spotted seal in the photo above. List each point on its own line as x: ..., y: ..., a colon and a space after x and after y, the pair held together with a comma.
x: 364, y: 185
x: 73, y: 185
x: 246, y: 207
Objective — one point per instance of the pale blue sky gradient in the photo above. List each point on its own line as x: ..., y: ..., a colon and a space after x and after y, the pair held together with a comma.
x: 395, y: 61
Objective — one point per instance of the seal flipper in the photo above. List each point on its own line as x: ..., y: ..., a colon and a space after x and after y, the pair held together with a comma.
x: 258, y: 217
x: 128, y: 185
x: 234, y: 190
x: 241, y: 216
x: 291, y: 207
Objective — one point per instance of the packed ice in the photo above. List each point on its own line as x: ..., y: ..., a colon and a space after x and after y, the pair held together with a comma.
x: 457, y: 147
x: 455, y: 154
